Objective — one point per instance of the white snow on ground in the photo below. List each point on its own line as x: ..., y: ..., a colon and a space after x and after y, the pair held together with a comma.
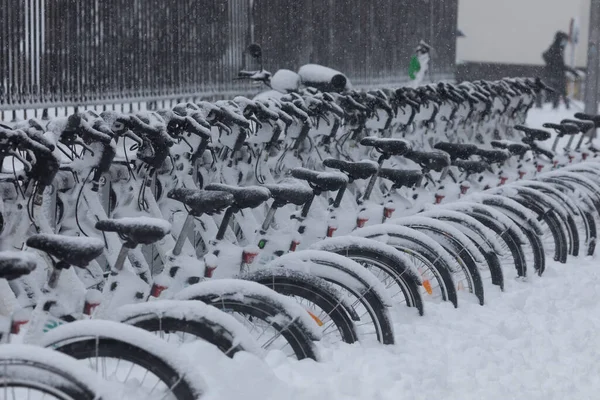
x: 537, y: 340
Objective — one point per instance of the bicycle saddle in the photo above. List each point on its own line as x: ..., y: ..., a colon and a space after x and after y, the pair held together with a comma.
x: 290, y: 192
x: 535, y: 134
x: 472, y: 166
x: 15, y: 264
x: 243, y: 197
x: 136, y: 230
x: 392, y: 147
x: 517, y: 149
x: 457, y: 150
x: 431, y: 160
x: 73, y: 250
x: 321, y: 181
x: 202, y: 201
x: 355, y: 170
x: 401, y: 177
x: 493, y: 155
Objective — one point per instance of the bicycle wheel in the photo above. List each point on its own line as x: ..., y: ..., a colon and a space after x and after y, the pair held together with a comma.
x: 31, y: 372
x: 430, y: 259
x: 550, y: 213
x: 179, y: 322
x: 458, y: 245
x: 573, y: 193
x: 281, y: 323
x: 527, y: 222
x: 483, y: 238
x: 368, y: 296
x: 507, y: 232
x: 390, y: 266
x: 575, y: 219
x: 109, y: 346
x: 323, y: 302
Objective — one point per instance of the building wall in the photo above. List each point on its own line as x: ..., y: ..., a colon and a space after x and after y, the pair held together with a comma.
x: 518, y: 31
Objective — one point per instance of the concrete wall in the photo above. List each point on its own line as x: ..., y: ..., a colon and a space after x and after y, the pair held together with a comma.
x: 518, y: 31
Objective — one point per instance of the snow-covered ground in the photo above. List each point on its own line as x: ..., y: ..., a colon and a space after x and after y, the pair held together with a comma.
x: 537, y: 340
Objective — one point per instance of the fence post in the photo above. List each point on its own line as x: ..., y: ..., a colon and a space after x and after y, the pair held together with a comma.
x: 593, y: 63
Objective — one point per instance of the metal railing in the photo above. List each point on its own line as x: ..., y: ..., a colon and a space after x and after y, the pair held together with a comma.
x: 58, y: 53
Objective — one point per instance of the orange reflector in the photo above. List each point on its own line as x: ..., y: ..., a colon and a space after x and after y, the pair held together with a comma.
x: 317, y: 320
x: 427, y: 286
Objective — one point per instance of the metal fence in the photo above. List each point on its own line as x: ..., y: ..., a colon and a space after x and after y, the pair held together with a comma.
x: 78, y: 52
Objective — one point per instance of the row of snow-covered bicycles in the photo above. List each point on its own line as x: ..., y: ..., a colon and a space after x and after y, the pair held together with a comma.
x: 285, y: 223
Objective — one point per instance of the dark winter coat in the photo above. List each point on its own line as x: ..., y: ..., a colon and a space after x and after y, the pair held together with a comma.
x: 555, y: 69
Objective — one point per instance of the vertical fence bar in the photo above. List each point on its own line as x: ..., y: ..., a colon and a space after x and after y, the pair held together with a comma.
x: 75, y: 52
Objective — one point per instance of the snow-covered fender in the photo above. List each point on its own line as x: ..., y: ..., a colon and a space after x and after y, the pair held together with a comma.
x: 355, y: 247
x: 457, y: 241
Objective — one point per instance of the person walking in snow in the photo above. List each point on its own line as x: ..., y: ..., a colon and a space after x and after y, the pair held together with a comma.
x: 555, y: 69
x: 419, y: 64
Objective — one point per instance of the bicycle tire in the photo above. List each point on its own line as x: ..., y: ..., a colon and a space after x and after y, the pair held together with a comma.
x: 257, y: 301
x: 503, y: 226
x: 420, y: 246
x: 189, y: 317
x: 315, y: 290
x: 46, y: 371
x: 350, y: 276
x: 456, y: 244
x: 383, y: 257
x: 479, y: 234
x: 87, y: 339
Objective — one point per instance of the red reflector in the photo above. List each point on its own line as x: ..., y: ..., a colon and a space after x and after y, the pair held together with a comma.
x: 15, y: 328
x: 503, y: 180
x: 330, y: 231
x: 209, y: 271
x: 157, y: 290
x: 248, y: 257
x: 439, y: 198
x: 88, y: 308
x: 522, y: 174
x: 539, y: 167
x: 388, y: 211
x: 464, y: 189
x: 360, y: 222
x: 294, y: 245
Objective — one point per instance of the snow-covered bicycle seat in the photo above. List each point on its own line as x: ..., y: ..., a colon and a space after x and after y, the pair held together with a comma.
x: 472, y: 166
x: 517, y: 149
x: 457, y: 150
x: 563, y: 129
x: 202, y: 201
x: 292, y: 192
x: 355, y: 170
x: 390, y: 147
x: 493, y: 156
x: 15, y: 264
x: 435, y: 160
x: 243, y: 197
x: 584, y: 126
x: 401, y: 177
x: 73, y: 250
x: 537, y: 134
x: 321, y: 181
x: 136, y: 230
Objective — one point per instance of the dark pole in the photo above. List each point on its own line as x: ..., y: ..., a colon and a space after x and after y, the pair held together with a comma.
x: 593, y: 63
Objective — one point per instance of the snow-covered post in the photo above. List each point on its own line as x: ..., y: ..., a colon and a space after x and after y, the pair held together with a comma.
x: 593, y: 63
